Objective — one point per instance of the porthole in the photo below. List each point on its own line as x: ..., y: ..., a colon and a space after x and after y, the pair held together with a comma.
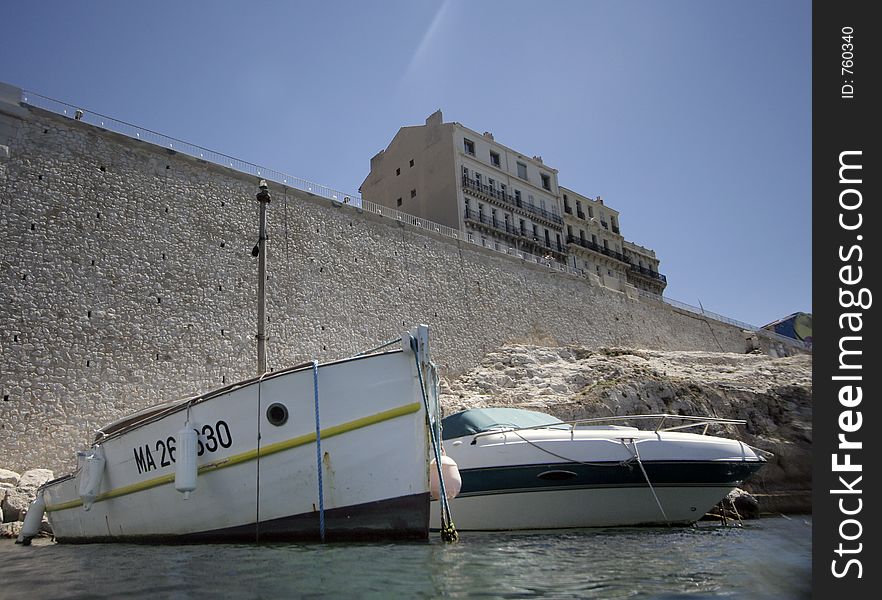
x: 277, y: 414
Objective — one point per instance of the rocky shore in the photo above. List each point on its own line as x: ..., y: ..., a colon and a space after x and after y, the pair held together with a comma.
x: 16, y: 494
x: 774, y: 396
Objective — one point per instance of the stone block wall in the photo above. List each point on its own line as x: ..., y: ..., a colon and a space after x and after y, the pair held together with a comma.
x: 127, y: 279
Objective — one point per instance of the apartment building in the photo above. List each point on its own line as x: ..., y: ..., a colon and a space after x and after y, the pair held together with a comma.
x: 466, y: 180
x: 501, y: 198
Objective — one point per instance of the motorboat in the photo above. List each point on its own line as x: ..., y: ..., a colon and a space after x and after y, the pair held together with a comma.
x: 523, y: 469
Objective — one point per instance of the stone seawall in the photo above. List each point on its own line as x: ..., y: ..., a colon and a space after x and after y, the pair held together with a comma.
x: 128, y: 279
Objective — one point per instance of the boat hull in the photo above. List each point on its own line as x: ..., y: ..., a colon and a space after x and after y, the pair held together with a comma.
x: 612, y: 496
x: 258, y: 475
x: 558, y: 477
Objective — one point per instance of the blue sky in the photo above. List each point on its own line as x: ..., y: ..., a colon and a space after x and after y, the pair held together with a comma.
x: 692, y: 118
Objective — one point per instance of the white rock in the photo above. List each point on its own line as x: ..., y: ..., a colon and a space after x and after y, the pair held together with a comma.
x: 34, y: 478
x: 9, y: 477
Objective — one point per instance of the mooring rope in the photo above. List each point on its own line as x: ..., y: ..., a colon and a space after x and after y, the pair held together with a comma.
x: 448, y: 530
x: 636, y: 454
x: 318, y: 451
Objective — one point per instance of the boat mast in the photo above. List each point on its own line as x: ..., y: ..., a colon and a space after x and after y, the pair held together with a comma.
x: 264, y: 198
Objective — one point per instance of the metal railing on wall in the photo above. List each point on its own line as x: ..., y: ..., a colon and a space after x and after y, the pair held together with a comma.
x: 723, y: 319
x: 151, y: 137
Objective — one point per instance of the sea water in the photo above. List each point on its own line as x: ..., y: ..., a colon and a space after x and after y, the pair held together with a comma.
x: 763, y: 559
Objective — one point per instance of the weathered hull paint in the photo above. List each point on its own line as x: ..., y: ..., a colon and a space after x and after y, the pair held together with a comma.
x: 257, y: 480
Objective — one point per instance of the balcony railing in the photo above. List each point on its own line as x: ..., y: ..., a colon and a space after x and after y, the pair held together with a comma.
x: 571, y: 239
x: 580, y: 214
x: 648, y: 273
x: 507, y: 228
x: 568, y: 209
x: 530, y: 209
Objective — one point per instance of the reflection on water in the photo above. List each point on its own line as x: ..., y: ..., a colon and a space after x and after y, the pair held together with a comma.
x: 769, y: 558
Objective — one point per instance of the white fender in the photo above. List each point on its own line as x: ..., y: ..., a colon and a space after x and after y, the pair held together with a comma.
x: 33, y: 521
x: 452, y: 478
x: 90, y: 476
x: 185, y: 461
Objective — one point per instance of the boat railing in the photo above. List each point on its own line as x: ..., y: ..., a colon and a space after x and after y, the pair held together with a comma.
x: 694, y: 421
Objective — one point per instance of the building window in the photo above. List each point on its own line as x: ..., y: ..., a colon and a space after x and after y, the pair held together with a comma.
x: 547, y: 239
x: 493, y: 216
x: 522, y: 170
x: 413, y: 193
x: 469, y: 146
x: 535, y: 232
x: 590, y: 212
x: 546, y: 181
x: 518, y: 197
x: 398, y: 202
x: 478, y: 179
x: 582, y: 235
x: 494, y: 159
x: 397, y: 172
x: 593, y: 239
x: 569, y: 231
x: 465, y: 172
x: 411, y: 162
x: 502, y: 188
x: 491, y: 183
x: 523, y: 228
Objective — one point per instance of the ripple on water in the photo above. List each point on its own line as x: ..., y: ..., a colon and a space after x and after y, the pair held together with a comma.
x: 769, y: 558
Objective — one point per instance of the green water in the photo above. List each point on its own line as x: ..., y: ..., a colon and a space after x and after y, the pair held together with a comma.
x: 766, y: 558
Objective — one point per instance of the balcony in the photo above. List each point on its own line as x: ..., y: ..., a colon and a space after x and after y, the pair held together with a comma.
x: 580, y: 214
x: 490, y: 193
x: 497, y: 226
x: 571, y: 239
x: 638, y: 270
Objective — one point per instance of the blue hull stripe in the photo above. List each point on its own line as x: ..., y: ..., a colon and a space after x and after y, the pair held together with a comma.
x: 557, y: 476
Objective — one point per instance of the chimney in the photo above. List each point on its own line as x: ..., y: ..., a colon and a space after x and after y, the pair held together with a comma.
x: 538, y: 159
x: 435, y: 118
x: 487, y: 134
x: 599, y: 200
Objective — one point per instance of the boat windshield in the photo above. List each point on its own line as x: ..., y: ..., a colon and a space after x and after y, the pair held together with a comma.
x: 477, y: 420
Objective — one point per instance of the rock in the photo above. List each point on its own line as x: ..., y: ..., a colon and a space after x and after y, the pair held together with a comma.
x: 13, y: 503
x: 745, y: 505
x: 34, y: 478
x: 10, y: 530
x: 9, y: 477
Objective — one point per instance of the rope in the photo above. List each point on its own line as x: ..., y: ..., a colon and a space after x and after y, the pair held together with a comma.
x: 448, y: 530
x: 318, y: 451
x: 645, y: 476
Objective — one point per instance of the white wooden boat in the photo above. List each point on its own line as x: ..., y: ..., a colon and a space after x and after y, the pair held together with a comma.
x: 528, y: 470
x: 254, y: 464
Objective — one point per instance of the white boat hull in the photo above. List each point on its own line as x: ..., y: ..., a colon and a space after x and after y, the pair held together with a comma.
x: 547, y: 478
x: 260, y: 481
x: 572, y: 508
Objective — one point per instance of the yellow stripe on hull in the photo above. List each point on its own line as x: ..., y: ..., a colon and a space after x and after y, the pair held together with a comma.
x: 250, y: 455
